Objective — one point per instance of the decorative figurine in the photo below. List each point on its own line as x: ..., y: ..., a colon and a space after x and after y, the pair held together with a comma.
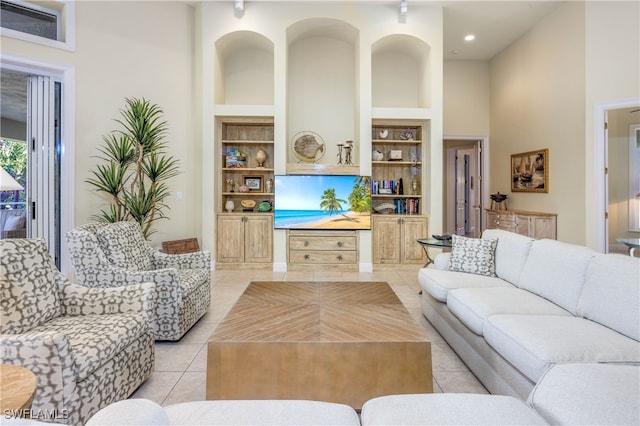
x: 347, y: 153
x: 340, y: 146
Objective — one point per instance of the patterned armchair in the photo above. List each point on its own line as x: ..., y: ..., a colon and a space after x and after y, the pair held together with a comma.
x: 115, y: 254
x: 87, y: 347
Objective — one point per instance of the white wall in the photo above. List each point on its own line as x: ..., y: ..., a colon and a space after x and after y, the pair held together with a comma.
x: 131, y: 49
x: 466, y: 98
x: 612, y: 33
x: 538, y: 101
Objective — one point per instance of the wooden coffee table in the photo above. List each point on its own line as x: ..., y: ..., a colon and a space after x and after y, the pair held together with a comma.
x: 343, y: 342
x: 17, y: 389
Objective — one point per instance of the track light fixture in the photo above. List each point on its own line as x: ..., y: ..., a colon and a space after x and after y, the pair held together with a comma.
x: 403, y: 7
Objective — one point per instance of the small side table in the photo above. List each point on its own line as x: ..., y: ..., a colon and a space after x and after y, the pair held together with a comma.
x: 17, y: 388
x: 631, y: 243
x: 432, y: 242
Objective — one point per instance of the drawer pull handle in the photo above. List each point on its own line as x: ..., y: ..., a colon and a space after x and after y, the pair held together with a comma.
x: 306, y: 257
x: 339, y: 243
x: 339, y: 257
x: 306, y: 243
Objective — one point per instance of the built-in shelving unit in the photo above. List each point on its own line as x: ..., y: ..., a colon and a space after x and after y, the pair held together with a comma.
x: 397, y: 166
x: 279, y: 71
x: 242, y: 139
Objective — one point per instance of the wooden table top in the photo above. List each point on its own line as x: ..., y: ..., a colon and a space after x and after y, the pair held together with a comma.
x: 17, y: 387
x: 318, y: 312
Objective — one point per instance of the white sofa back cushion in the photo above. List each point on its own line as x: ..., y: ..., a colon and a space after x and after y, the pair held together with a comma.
x: 556, y: 271
x: 511, y: 253
x: 611, y: 294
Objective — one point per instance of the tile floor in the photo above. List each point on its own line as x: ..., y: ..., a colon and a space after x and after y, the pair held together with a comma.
x: 180, y: 370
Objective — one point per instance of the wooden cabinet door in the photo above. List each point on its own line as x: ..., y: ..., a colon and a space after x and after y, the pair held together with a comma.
x: 230, y: 247
x: 412, y: 229
x: 543, y: 227
x: 258, y: 239
x: 492, y: 220
x: 386, y: 239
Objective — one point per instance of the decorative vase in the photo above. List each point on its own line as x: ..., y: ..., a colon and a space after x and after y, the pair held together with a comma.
x: 268, y: 185
x: 229, y: 205
x: 261, y: 157
x: 414, y: 185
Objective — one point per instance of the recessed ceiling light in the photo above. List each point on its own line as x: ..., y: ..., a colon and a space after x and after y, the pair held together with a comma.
x: 454, y: 52
x: 469, y: 37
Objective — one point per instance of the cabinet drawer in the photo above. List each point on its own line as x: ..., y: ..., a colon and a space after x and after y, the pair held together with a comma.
x: 309, y: 243
x: 304, y: 256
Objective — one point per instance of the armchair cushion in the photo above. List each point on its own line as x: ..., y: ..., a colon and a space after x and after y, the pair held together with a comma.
x: 125, y: 246
x: 96, y: 339
x: 35, y: 301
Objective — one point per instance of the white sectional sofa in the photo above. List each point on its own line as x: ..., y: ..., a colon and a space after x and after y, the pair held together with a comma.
x: 549, y: 303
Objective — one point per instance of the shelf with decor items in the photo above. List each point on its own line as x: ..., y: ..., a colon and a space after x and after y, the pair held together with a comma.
x: 396, y: 164
x: 246, y: 147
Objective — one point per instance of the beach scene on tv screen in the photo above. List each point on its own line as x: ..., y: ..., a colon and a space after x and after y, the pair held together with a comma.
x: 322, y: 202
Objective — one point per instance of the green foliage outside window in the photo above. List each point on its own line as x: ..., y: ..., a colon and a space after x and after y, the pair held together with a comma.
x: 13, y: 158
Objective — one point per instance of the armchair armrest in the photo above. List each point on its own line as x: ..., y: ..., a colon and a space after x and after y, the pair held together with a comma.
x: 135, y: 298
x: 48, y: 356
x: 196, y: 260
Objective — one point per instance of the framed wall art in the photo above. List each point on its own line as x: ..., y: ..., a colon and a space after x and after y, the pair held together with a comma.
x: 530, y: 171
x: 254, y: 183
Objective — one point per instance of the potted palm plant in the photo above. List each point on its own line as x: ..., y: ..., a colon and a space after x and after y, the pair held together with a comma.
x: 135, y: 169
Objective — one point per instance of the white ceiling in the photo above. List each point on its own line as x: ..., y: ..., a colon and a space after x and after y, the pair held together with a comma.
x: 496, y: 24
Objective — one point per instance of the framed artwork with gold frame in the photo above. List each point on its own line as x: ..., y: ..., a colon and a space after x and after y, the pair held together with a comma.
x: 530, y: 171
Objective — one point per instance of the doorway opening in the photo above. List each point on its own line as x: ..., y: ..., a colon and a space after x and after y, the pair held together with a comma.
x: 464, y: 186
x: 31, y: 146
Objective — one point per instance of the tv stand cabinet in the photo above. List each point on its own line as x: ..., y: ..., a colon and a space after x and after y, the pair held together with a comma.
x: 322, y: 250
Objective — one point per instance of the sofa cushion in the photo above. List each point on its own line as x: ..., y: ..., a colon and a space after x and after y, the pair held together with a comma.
x: 556, y: 271
x: 593, y: 394
x: 611, y: 294
x: 511, y: 253
x: 448, y: 409
x: 28, y: 286
x: 473, y: 306
x: 263, y: 412
x: 473, y: 255
x: 532, y: 343
x: 124, y: 245
x: 96, y: 339
x: 438, y: 283
x: 130, y: 412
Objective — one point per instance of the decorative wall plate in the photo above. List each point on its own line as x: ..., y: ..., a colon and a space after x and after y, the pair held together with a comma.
x: 308, y: 146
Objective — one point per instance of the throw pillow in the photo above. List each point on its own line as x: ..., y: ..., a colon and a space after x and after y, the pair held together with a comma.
x: 473, y: 255
x: 14, y: 222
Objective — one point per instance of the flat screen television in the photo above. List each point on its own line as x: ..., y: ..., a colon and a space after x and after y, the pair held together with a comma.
x: 322, y: 202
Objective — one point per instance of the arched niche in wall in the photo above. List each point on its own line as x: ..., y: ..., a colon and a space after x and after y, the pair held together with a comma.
x: 244, y: 69
x: 400, y: 76
x: 322, y: 84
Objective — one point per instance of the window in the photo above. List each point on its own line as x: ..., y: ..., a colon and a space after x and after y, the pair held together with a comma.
x: 31, y: 19
x: 53, y: 25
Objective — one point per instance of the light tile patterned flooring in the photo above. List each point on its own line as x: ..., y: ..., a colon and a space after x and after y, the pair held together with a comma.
x: 180, y: 369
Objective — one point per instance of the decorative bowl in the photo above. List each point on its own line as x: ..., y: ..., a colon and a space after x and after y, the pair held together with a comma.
x: 385, y: 208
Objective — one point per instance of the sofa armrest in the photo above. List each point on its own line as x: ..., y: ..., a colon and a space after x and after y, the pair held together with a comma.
x: 441, y: 261
x: 135, y: 298
x: 196, y: 260
x: 48, y: 356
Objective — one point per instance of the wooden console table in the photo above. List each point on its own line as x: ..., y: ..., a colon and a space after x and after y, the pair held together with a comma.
x: 532, y: 224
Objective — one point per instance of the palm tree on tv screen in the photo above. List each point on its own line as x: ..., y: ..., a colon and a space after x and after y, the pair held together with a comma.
x: 330, y: 202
